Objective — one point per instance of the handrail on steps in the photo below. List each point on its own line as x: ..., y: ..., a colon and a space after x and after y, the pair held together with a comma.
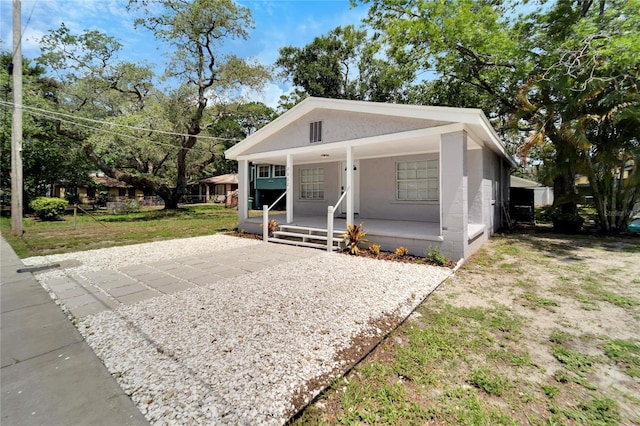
x: 265, y: 217
x: 330, y: 212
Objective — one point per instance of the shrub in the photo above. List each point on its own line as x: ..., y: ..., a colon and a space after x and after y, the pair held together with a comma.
x: 435, y: 256
x: 354, y: 236
x: 128, y: 206
x: 47, y: 208
x: 375, y: 249
x: 566, y: 222
x: 402, y: 251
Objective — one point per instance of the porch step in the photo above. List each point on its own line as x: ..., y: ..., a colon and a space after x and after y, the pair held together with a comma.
x: 306, y: 237
x: 308, y: 230
x: 278, y: 234
x: 300, y: 243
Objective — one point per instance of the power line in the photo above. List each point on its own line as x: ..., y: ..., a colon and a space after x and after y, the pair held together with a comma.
x: 53, y: 114
x: 120, y: 134
x: 25, y: 28
x: 113, y: 133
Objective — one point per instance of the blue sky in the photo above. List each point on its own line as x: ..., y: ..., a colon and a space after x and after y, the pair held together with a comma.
x: 277, y: 23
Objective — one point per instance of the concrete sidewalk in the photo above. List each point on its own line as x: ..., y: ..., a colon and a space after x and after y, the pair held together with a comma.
x: 49, y: 374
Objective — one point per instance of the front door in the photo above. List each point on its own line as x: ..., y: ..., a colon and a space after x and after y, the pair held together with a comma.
x: 355, y: 189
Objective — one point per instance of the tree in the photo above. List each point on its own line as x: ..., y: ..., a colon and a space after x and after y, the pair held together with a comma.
x: 591, y: 82
x: 551, y: 74
x: 196, y: 30
x: 344, y: 64
x: 234, y: 122
x: 49, y: 159
x: 162, y: 157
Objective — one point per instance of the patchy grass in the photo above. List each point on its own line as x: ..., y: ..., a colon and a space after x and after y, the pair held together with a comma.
x: 489, y: 381
x: 626, y: 354
x: 527, y: 332
x: 536, y: 302
x: 105, y: 229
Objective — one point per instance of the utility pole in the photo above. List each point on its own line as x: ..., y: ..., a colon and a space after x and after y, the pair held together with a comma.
x: 16, y: 125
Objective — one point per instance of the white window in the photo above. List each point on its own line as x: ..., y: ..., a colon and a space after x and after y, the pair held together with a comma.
x: 315, y: 131
x: 279, y: 171
x: 263, y: 171
x: 312, y: 184
x: 417, y: 180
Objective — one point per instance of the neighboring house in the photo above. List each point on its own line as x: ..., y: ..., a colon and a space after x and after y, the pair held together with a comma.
x: 216, y: 188
x: 584, y: 188
x: 542, y: 195
x: 268, y: 183
x: 117, y: 190
x: 414, y: 176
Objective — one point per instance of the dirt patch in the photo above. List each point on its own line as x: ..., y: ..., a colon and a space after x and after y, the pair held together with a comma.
x: 533, y: 329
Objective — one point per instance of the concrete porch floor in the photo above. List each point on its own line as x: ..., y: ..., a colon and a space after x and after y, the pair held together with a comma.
x: 381, y: 227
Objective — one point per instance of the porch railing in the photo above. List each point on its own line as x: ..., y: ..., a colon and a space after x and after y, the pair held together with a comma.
x: 265, y: 217
x: 330, y: 212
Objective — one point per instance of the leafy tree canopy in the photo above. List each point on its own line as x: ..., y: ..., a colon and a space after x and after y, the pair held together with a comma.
x: 345, y: 64
x: 154, y: 140
x: 565, y: 74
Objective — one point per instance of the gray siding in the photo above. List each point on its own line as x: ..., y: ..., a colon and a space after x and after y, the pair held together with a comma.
x: 338, y: 126
x: 378, y: 192
x: 331, y: 190
x: 476, y: 189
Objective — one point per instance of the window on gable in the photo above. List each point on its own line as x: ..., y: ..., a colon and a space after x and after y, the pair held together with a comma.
x: 263, y: 171
x: 279, y: 171
x: 315, y: 131
x: 312, y: 184
x: 417, y: 180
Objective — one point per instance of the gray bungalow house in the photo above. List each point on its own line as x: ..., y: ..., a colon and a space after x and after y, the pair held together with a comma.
x: 413, y: 176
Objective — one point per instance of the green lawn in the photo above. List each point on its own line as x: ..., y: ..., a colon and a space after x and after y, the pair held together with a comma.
x: 535, y: 329
x: 105, y: 229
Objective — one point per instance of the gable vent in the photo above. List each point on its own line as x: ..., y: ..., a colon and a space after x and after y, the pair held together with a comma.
x: 315, y: 131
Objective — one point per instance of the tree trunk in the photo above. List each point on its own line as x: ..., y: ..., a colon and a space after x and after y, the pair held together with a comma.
x: 564, y: 193
x: 171, y: 203
x: 564, y: 184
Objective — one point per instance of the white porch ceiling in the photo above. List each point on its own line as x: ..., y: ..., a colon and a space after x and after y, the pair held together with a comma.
x: 406, y: 143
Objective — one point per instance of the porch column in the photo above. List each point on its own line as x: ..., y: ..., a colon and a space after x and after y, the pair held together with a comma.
x: 207, y: 195
x: 349, y: 182
x: 289, y: 180
x: 453, y: 194
x: 243, y: 190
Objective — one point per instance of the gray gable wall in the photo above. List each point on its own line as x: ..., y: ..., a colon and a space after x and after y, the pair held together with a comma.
x: 338, y: 126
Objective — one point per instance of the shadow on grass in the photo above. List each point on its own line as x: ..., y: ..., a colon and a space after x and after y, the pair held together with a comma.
x: 181, y: 213
x: 567, y: 245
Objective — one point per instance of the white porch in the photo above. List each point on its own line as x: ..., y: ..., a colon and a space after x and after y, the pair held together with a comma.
x: 389, y: 234
x: 358, y: 172
x: 428, y: 231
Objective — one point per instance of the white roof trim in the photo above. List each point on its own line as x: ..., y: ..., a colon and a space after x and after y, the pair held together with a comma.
x: 372, y: 140
x: 469, y: 116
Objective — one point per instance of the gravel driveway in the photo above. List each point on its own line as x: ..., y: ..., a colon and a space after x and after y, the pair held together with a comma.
x: 227, y: 330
